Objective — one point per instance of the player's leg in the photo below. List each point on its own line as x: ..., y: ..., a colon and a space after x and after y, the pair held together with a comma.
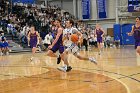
x: 33, y: 50
x: 91, y: 59
x: 52, y: 51
x: 6, y: 47
x: 1, y: 51
x: 64, y: 57
x: 99, y: 47
x: 98, y: 44
x: 59, y: 57
x: 33, y: 53
x: 75, y: 51
x: 138, y: 50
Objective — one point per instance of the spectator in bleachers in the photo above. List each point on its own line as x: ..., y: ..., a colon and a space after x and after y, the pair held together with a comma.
x: 48, y: 40
x: 42, y: 18
x: 108, y: 40
x: 23, y: 34
x: 85, y: 38
x: 92, y: 40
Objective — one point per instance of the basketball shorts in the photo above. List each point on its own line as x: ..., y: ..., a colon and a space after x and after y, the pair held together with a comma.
x: 73, y: 48
x: 59, y: 47
x: 1, y: 45
x: 99, y: 40
x: 137, y: 43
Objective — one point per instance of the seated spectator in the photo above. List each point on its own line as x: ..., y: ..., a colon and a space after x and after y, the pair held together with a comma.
x: 93, y: 41
x: 9, y: 28
x: 48, y: 40
x: 108, y: 40
x: 117, y: 42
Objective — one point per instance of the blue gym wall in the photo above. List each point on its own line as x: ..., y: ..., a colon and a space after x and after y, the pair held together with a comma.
x: 127, y: 40
x: 121, y: 31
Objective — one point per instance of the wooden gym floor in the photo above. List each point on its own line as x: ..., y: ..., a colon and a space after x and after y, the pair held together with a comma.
x: 118, y: 71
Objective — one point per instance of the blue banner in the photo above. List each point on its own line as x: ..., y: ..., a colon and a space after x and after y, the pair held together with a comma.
x: 86, y: 9
x: 101, y: 8
x: 133, y: 5
x: 24, y: 1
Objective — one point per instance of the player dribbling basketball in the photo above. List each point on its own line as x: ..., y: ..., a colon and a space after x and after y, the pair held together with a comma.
x: 72, y: 46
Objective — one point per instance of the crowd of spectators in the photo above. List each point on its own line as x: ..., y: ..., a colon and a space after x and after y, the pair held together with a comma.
x: 18, y: 20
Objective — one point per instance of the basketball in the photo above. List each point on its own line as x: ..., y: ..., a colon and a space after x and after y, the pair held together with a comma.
x: 74, y: 38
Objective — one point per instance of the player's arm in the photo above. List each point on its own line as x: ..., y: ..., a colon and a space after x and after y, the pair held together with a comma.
x: 132, y: 31
x: 78, y: 33
x: 64, y: 36
x: 95, y: 33
x: 29, y: 38
x: 57, y: 36
x: 103, y: 32
x: 80, y: 36
x: 38, y: 37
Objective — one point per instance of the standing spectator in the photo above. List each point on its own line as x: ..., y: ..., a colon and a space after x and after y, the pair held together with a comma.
x: 85, y: 39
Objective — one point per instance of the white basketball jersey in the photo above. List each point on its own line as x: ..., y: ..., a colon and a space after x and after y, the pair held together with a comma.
x: 67, y: 33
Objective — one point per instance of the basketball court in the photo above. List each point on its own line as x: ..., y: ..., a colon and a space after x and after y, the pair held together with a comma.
x: 117, y: 72
x: 117, y: 69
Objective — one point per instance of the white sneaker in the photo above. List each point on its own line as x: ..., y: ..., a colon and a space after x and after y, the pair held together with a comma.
x: 7, y: 53
x: 63, y: 68
x: 1, y: 54
x: 39, y: 49
x: 92, y: 59
x: 99, y: 53
x: 31, y: 59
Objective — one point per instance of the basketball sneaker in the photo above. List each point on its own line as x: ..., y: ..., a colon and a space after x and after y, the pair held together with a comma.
x: 31, y: 59
x: 63, y: 68
x: 69, y: 68
x: 58, y: 60
x: 39, y: 48
x: 7, y: 53
x: 92, y: 59
x: 1, y: 54
x: 99, y: 53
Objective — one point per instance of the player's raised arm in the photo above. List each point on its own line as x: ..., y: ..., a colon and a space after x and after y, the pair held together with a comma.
x: 132, y: 31
x: 103, y: 32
